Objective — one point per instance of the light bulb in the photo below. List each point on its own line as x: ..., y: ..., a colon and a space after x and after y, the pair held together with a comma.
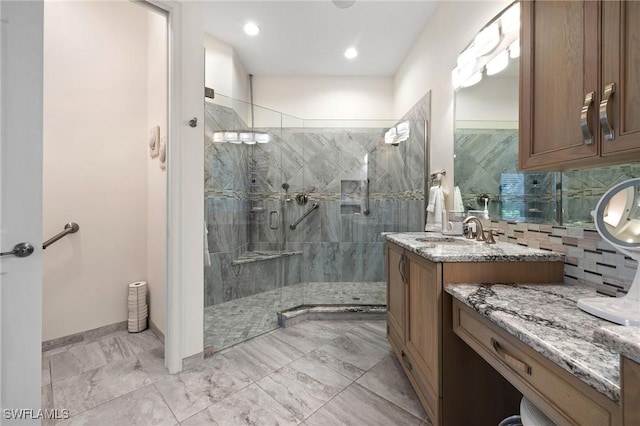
x: 218, y: 137
x: 262, y: 137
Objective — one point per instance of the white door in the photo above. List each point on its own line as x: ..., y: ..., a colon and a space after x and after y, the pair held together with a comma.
x: 20, y: 207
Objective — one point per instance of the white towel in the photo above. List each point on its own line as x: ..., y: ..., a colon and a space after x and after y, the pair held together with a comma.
x: 434, y: 218
x: 207, y: 256
x: 432, y: 199
x: 458, y: 206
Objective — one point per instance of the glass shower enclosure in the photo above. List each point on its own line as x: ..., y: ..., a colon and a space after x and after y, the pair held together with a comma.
x: 298, y: 220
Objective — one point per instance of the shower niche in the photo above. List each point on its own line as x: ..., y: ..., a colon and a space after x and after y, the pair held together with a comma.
x: 260, y: 265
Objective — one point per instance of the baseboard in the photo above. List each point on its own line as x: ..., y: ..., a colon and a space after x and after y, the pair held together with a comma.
x: 83, y: 335
x: 156, y: 331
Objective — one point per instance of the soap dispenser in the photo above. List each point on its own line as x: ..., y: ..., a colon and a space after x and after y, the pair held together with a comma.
x: 486, y: 208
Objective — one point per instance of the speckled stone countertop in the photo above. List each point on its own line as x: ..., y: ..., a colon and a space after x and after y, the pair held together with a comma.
x: 546, y: 318
x: 620, y: 338
x: 459, y: 249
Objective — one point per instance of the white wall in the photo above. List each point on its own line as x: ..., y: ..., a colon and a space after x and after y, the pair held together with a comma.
x: 428, y: 66
x: 224, y: 71
x: 333, y: 98
x: 95, y: 161
x: 156, y: 177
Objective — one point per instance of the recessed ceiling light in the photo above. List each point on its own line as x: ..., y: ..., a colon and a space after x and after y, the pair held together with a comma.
x: 350, y: 53
x: 251, y: 29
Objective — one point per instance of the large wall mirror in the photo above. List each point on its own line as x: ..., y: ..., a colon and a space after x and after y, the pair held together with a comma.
x: 486, y: 147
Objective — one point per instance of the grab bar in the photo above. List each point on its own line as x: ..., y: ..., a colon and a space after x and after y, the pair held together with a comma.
x: 69, y: 228
x: 307, y: 213
x: 366, y: 200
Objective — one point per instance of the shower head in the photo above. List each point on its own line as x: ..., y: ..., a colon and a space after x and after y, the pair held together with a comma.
x: 285, y: 186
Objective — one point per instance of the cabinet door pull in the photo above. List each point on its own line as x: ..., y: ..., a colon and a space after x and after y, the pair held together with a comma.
x: 584, y: 119
x: 607, y: 128
x: 401, y: 268
x: 510, y: 359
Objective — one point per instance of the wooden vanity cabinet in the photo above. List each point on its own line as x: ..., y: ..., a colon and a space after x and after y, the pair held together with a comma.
x: 571, y: 52
x: 630, y: 374
x: 445, y: 373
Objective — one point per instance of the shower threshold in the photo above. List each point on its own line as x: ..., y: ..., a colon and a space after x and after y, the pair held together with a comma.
x: 295, y: 315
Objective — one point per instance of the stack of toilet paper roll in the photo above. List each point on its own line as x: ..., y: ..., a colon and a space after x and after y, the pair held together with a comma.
x: 138, y: 308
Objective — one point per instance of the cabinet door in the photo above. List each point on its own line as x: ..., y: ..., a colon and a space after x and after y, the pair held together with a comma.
x: 620, y: 111
x: 395, y: 293
x: 630, y: 391
x: 558, y: 72
x: 424, y: 306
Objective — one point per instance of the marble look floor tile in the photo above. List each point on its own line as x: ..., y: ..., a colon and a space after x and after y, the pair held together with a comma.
x: 348, y: 370
x: 47, y: 403
x: 142, y: 342
x: 142, y: 407
x: 388, y: 380
x: 262, y: 355
x: 358, y: 406
x: 303, y: 386
x: 306, y: 336
x: 152, y: 363
x: 85, y: 357
x: 46, y: 371
x: 197, y: 388
x: 355, y: 350
x: 372, y: 337
x: 250, y: 406
x: 87, y: 390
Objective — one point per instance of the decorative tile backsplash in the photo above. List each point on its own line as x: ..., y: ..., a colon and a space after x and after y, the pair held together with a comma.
x: 588, y: 259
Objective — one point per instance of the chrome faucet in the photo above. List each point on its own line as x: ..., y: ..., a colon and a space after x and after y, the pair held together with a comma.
x: 479, y: 231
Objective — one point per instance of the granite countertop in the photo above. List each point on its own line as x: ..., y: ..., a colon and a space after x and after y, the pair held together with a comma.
x: 620, y: 338
x: 546, y: 318
x: 459, y: 249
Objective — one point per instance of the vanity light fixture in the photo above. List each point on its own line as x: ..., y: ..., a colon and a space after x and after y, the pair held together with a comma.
x: 490, y: 50
x: 487, y: 39
x: 350, y: 53
x: 510, y: 20
x: 251, y: 29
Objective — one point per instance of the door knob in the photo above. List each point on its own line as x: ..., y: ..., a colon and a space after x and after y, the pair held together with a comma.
x: 19, y: 250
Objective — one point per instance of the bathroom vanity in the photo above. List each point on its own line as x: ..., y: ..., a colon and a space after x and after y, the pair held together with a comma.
x: 541, y: 342
x: 446, y: 374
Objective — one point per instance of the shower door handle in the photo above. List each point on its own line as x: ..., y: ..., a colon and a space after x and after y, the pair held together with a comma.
x: 19, y: 250
x: 274, y: 224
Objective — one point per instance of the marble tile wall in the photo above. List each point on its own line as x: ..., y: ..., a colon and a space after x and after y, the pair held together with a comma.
x: 588, y: 259
x: 243, y: 185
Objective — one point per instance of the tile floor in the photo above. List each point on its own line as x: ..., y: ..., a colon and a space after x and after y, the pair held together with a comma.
x: 232, y: 322
x: 313, y: 373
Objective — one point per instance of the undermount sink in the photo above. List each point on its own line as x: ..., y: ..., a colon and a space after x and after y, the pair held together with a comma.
x: 444, y: 240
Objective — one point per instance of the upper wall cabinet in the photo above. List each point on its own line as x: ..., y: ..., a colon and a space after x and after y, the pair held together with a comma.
x: 580, y: 84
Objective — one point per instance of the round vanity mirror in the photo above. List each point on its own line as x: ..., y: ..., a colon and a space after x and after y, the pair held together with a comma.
x: 617, y: 219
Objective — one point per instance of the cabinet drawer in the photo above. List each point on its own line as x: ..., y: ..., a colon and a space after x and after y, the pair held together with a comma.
x: 430, y: 401
x: 561, y: 396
